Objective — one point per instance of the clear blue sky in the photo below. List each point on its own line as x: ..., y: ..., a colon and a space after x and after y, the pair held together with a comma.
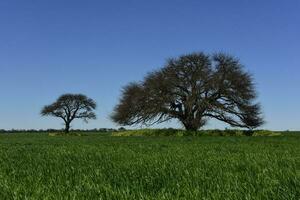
x: 49, y: 47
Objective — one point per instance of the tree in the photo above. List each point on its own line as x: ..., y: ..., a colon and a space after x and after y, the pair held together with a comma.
x: 192, y: 89
x: 69, y: 107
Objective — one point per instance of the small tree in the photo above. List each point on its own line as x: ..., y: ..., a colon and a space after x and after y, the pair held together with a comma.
x: 69, y: 107
x: 192, y: 88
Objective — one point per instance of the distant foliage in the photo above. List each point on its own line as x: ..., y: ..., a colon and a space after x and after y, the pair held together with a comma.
x: 41, y: 131
x: 176, y: 132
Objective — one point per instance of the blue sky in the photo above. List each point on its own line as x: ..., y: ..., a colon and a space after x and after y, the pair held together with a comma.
x: 51, y: 47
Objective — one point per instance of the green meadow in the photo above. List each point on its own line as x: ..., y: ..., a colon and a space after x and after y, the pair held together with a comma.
x: 98, y: 166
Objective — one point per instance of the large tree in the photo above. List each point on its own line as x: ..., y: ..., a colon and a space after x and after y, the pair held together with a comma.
x: 69, y: 107
x: 192, y: 89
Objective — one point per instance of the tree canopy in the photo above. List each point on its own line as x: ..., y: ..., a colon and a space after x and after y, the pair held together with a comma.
x: 69, y: 107
x: 192, y: 89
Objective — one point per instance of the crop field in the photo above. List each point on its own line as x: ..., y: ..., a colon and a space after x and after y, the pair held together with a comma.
x: 95, y: 166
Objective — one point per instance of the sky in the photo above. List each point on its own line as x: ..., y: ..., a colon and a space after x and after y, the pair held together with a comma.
x: 95, y: 47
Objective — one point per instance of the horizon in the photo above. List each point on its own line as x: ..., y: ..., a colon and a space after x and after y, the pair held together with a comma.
x: 50, y: 48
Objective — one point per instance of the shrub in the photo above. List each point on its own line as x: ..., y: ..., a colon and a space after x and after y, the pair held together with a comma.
x: 266, y: 133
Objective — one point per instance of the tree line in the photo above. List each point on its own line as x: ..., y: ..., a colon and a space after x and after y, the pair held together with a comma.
x: 95, y: 130
x: 191, y: 88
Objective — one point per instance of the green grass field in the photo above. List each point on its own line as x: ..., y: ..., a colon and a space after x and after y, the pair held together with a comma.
x: 37, y: 166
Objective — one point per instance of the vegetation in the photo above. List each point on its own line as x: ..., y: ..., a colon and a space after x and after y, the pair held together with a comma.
x: 177, y: 132
x: 55, y: 164
x: 69, y: 107
x: 192, y: 89
x: 36, y: 166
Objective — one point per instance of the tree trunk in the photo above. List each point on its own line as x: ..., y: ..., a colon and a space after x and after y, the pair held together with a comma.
x: 67, y: 128
x: 190, y: 126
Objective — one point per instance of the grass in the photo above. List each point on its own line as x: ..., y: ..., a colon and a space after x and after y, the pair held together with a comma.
x: 38, y: 166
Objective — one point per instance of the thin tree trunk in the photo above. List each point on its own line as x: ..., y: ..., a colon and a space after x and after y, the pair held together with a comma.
x: 67, y: 128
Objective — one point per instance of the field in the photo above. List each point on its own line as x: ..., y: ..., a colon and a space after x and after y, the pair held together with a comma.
x: 37, y: 166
